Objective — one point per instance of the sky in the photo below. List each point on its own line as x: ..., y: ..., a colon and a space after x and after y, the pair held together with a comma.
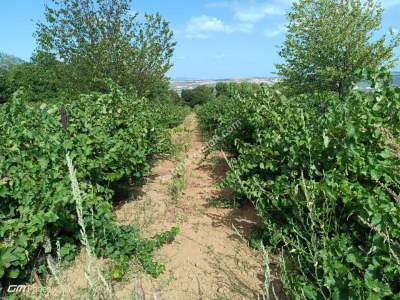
x: 215, y: 38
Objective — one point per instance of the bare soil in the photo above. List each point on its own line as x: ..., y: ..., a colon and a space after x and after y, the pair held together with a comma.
x: 210, y: 258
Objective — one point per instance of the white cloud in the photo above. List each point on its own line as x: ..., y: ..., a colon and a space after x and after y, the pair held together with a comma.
x: 273, y: 32
x: 248, y: 13
x: 257, y: 12
x: 220, y: 56
x: 200, y: 27
x: 251, y: 11
x: 249, y: 16
x: 244, y: 27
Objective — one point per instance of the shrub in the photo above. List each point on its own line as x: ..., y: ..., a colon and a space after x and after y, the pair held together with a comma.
x: 109, y: 137
x: 233, y: 88
x: 38, y: 83
x: 318, y: 176
x: 198, y: 95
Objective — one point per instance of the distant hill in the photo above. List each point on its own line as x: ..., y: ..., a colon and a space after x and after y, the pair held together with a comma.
x: 185, y: 84
x: 396, y: 78
x: 365, y: 85
x: 6, y: 61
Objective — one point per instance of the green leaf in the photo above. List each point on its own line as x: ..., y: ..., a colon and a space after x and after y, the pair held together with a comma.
x: 13, y: 273
x: 326, y: 140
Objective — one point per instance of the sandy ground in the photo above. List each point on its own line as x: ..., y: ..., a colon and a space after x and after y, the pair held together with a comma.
x: 210, y: 258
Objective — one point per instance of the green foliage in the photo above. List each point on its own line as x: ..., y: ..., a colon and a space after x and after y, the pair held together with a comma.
x: 4, y: 86
x: 227, y: 109
x: 99, y: 40
x: 198, y: 95
x: 319, y: 178
x: 242, y: 88
x: 329, y: 40
x: 38, y: 83
x: 109, y: 137
x: 49, y: 83
x: 163, y: 93
x: 120, y: 243
x: 151, y: 54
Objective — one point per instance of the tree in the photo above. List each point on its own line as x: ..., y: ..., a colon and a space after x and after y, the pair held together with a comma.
x: 222, y: 89
x: 102, y: 39
x: 328, y: 41
x: 151, y: 53
x: 198, y: 95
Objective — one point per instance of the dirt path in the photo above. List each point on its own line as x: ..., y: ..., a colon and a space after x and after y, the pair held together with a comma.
x: 209, y: 259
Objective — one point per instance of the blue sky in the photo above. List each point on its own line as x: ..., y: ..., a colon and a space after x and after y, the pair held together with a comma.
x: 216, y: 38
